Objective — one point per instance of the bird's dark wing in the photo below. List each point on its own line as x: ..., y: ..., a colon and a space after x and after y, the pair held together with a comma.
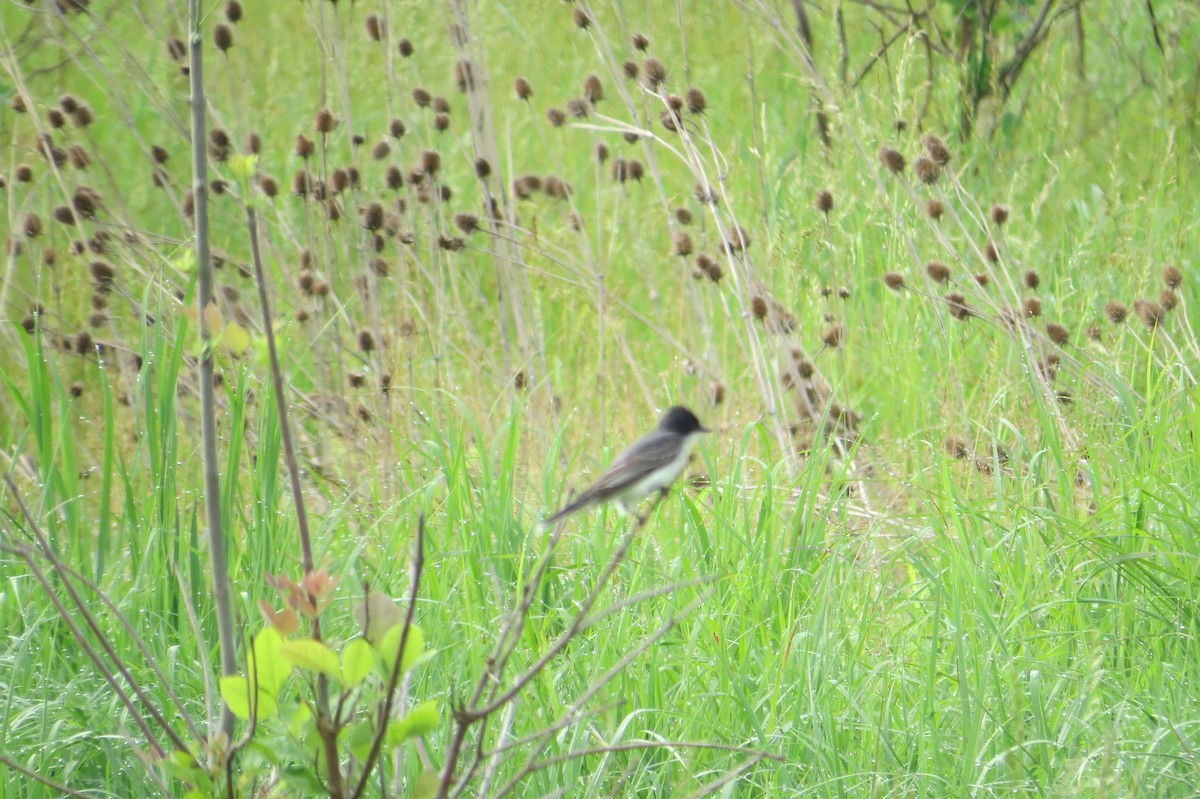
x: 654, y: 451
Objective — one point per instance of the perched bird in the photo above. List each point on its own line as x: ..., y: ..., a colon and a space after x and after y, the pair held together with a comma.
x: 650, y: 465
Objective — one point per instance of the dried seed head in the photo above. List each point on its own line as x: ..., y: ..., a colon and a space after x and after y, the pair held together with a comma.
x: 654, y: 72
x: 366, y: 340
x: 556, y: 117
x: 405, y: 47
x: 82, y: 116
x: 23, y: 174
x: 79, y: 157
x: 556, y: 187
x: 1151, y: 313
x: 683, y: 244
x: 55, y: 118
x: 482, y: 168
x: 737, y: 239
x: 892, y: 159
x: 233, y: 11
x: 833, y: 336
x: 325, y: 121
x: 824, y: 201
x: 374, y: 27
x: 999, y: 214
x: 422, y: 97
x: 339, y: 181
x: 696, y: 102
x: 1033, y: 307
x: 300, y: 183
x: 804, y: 367
x: 464, y: 76
x: 957, y: 448
x: 18, y: 104
x: 441, y: 122
x: 254, y: 144
x: 631, y: 70
x: 304, y: 147
x: 937, y: 271
x: 893, y: 280
x: 84, y: 343
x: 451, y: 243
x: 1169, y: 300
x: 85, y: 201
x: 1032, y: 279
x: 223, y: 37
x: 102, y: 273
x: 635, y: 168
x: 467, y: 223
x: 1058, y: 333
x: 176, y: 49
x: 372, y: 216
x: 957, y: 304
x: 356, y: 379
x: 1093, y: 332
x: 716, y: 393
x: 381, y: 150
x: 1116, y: 311
x: 31, y: 226
x: 593, y: 89
x: 582, y: 20
x: 431, y: 162
x: 669, y: 120
x: 982, y: 278
x: 991, y: 252
x: 844, y: 292
x: 936, y: 149
x: 1172, y: 277
x: 522, y: 88
x: 758, y: 307
x: 578, y: 107
x: 64, y: 215
x: 926, y: 170
x: 268, y: 185
x: 440, y: 105
x: 640, y: 42
x: 935, y: 209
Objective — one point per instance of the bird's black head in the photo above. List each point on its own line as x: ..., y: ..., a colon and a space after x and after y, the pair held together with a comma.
x: 682, y: 421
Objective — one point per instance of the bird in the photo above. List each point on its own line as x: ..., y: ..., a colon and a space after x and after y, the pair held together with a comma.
x: 651, y: 465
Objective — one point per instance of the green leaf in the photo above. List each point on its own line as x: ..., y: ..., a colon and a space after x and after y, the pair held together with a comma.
x: 421, y: 720
x: 236, y: 693
x: 359, y: 738
x: 414, y: 647
x: 424, y: 718
x: 312, y: 655
x: 357, y: 659
x: 235, y: 339
x: 267, y: 663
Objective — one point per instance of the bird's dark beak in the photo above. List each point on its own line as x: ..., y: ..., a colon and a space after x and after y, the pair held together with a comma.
x: 705, y: 430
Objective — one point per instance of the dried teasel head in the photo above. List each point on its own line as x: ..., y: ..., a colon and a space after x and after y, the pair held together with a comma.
x: 1057, y: 333
x: 893, y: 280
x: 1116, y: 311
x: 938, y: 272
x: 937, y: 149
x: 824, y: 201
x: 926, y: 170
x: 1172, y: 277
x: 892, y: 159
x: 934, y: 209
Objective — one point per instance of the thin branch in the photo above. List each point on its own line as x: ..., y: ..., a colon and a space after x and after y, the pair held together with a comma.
x: 218, y: 554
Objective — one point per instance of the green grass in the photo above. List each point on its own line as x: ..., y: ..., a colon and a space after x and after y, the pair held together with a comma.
x: 891, y: 622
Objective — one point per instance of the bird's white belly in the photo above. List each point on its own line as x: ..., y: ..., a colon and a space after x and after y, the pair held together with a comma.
x: 657, y: 481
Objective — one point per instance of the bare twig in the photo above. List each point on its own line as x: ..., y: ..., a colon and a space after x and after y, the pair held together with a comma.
x: 222, y: 589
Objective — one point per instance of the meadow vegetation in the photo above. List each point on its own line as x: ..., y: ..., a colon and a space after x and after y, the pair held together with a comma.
x: 927, y: 270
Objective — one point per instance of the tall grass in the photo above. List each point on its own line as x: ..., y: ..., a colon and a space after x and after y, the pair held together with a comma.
x: 921, y: 556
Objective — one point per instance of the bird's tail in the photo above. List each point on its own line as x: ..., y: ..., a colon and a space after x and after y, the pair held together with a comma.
x: 578, y: 504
